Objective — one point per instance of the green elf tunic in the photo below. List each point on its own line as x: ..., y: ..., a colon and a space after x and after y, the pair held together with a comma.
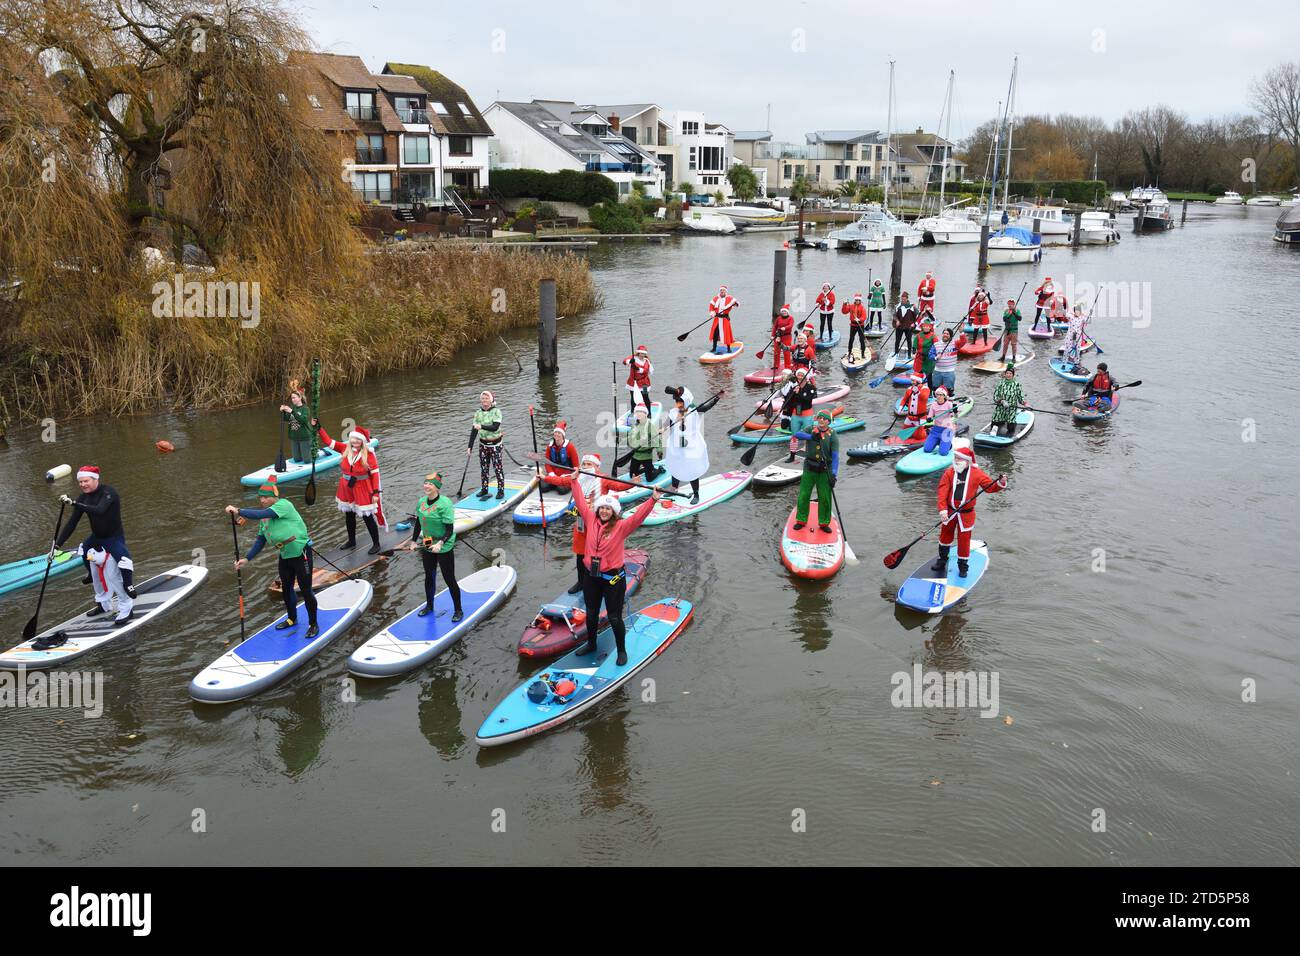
x: 285, y: 532
x: 821, y: 463
x: 876, y: 298
x: 436, y: 519
x: 300, y: 431
x: 1007, y: 399
x: 645, y: 441
x: 924, y: 342
x: 1011, y: 321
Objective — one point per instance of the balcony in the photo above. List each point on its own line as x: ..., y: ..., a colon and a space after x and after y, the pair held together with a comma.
x: 640, y: 169
x: 364, y: 112
x: 378, y: 194
x: 414, y: 117
x: 370, y: 157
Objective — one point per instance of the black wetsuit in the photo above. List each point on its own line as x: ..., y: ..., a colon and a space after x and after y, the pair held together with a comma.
x: 104, y: 508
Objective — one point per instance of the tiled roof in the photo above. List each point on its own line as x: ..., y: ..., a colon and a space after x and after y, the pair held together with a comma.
x: 350, y: 73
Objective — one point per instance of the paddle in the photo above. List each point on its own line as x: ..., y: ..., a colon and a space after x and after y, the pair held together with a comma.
x: 412, y: 546
x: 613, y: 390
x: 998, y: 340
x: 239, y: 577
x: 465, y: 471
x: 1071, y: 401
x: 622, y: 481
x: 849, y: 557
x: 759, y: 354
x: 1044, y: 411
x: 532, y: 424
x: 309, y: 495
x: 29, y: 631
x: 894, y: 558
x: 682, y: 337
x: 281, y: 466
x: 748, y: 457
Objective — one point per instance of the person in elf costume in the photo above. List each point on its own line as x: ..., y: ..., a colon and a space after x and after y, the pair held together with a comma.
x: 957, y: 490
x: 925, y: 294
x: 487, y: 425
x: 923, y: 348
x: 298, y: 416
x: 638, y: 375
x: 826, y: 311
x: 359, y: 492
x: 1010, y: 330
x: 280, y: 526
x: 1008, y: 397
x: 876, y: 306
x: 561, y: 456
x: 433, y: 534
x: 821, y: 464
x: 720, y: 307
x: 857, y: 314
x: 646, y: 443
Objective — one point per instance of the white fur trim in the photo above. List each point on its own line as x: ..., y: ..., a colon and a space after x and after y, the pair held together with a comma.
x: 87, y: 474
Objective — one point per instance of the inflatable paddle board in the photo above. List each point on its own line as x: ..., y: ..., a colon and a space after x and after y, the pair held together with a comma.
x: 932, y: 593
x: 561, y: 625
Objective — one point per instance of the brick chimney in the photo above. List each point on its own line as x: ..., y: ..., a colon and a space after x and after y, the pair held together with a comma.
x: 613, y: 122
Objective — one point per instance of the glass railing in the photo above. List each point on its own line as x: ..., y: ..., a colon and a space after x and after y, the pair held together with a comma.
x: 414, y: 116
x: 370, y: 156
x: 379, y: 194
x: 363, y: 112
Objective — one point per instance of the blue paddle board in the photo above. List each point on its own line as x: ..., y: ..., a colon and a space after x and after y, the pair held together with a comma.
x: 829, y: 342
x: 295, y: 470
x: 932, y: 593
x: 1059, y: 366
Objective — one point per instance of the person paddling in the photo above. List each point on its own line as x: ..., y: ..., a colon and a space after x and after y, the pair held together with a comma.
x: 1101, y: 385
x: 1044, y: 295
x: 876, y: 306
x: 821, y: 465
x: 797, y: 397
x: 943, y: 420
x: 1074, y: 341
x: 434, y: 533
x: 826, y: 311
x: 925, y: 348
x: 280, y: 526
x: 905, y: 315
x: 686, y: 454
x: 857, y: 314
x: 638, y: 375
x: 298, y: 416
x: 957, y: 490
x: 945, y: 360
x: 103, y: 508
x: 646, y: 444
x: 1057, y: 310
x: 782, y: 339
x: 804, y: 355
x: 720, y: 307
x: 1007, y: 399
x: 588, y: 487
x: 561, y: 456
x: 916, y: 405
x: 978, y: 309
x: 603, y: 557
x: 925, y: 294
x: 1010, y: 330
x: 487, y: 423
x: 359, y: 492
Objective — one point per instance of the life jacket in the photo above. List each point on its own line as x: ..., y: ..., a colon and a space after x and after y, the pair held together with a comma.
x: 1101, y: 382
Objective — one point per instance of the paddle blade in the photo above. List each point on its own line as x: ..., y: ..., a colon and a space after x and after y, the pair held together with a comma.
x: 682, y: 337
x: 29, y: 631
x: 759, y: 354
x: 850, y: 558
x: 309, y: 496
x: 748, y: 457
x: 894, y: 558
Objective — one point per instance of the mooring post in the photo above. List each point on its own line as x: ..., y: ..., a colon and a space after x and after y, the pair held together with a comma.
x: 778, y: 283
x: 896, y: 271
x: 984, y: 246
x: 1184, y: 219
x: 1078, y: 225
x: 548, y: 345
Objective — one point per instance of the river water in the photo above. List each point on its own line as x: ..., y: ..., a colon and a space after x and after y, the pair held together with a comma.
x: 1121, y: 734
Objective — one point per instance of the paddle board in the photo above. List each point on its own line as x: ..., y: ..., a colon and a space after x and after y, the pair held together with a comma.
x: 777, y: 435
x: 825, y: 396
x: 561, y: 625
x: 897, y: 361
x: 760, y: 424
x: 1081, y: 413
x: 811, y: 552
x: 412, y: 640
x: 875, y: 333
x: 545, y: 508
x: 471, y: 511
x: 901, y: 381
x: 1041, y: 333
x: 998, y: 366
x: 932, y: 593
x: 829, y: 342
x: 269, y: 656
x: 326, y: 458
x: 1059, y: 366
x: 971, y: 349
x: 536, y: 706
x: 713, y: 358
x: 624, y: 424
x: 84, y: 634
x: 778, y: 474
x: 963, y: 406
x: 714, y: 490
x: 633, y: 495
x: 352, y: 560
x: 857, y: 360
x: 763, y: 376
x: 25, y: 571
x: 922, y: 462
x: 1060, y: 326
x: 987, y: 438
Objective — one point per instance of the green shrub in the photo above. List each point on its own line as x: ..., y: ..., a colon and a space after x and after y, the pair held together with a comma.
x: 546, y: 211
x: 1216, y: 189
x: 613, y: 216
x: 567, y: 185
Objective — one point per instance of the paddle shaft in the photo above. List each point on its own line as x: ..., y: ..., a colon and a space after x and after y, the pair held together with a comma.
x: 464, y: 471
x: 1071, y: 401
x: 29, y: 631
x: 532, y: 425
x: 622, y: 481
x: 748, y: 457
x: 614, y: 392
x: 239, y: 576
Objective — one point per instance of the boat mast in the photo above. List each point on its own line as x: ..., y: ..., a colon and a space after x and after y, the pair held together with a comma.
x: 889, y: 133
x: 990, y: 160
x: 943, y: 171
x: 1011, y: 126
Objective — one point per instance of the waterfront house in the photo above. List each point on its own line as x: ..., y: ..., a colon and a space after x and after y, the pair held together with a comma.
x: 827, y: 159
x: 458, y: 151
x: 920, y: 160
x: 702, y: 152
x: 749, y: 147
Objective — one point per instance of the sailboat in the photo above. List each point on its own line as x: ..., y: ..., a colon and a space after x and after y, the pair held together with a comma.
x: 1011, y: 244
x: 875, y: 231
x: 949, y: 226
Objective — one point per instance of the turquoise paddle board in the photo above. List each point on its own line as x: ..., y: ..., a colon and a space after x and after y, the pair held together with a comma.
x: 778, y: 435
x: 296, y: 470
x: 1059, y: 366
x: 25, y: 571
x: 829, y: 342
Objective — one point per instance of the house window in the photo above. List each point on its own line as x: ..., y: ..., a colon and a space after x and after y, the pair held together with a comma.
x: 417, y: 187
x: 690, y: 128
x: 624, y: 188
x: 817, y: 171
x: 787, y: 173
x: 410, y: 109
x: 460, y: 146
x: 370, y: 149
x: 361, y: 106
x: 373, y: 186
x: 315, y: 103
x: 848, y: 151
x: 841, y: 172
x: 439, y: 108
x: 710, y: 157
x: 464, y: 109
x: 880, y: 153
x: 630, y: 133
x: 415, y: 150
x: 690, y: 164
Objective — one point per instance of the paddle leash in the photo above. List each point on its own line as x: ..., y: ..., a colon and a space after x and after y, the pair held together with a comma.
x: 29, y: 630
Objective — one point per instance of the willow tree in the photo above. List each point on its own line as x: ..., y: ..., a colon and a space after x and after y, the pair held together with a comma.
x: 126, y: 121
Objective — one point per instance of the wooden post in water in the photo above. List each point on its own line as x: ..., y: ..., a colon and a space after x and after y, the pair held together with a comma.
x: 984, y: 246
x: 778, y: 283
x: 896, y: 271
x: 548, y: 344
x: 1184, y: 219
x: 1078, y: 225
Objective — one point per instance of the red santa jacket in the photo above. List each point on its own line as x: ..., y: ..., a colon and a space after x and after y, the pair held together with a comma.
x: 856, y: 311
x: 975, y: 480
x: 979, y: 307
x: 916, y: 400
x: 926, y: 289
x: 1056, y: 306
x: 721, y: 305
x: 783, y: 329
x: 1044, y: 292
x: 638, y: 372
x: 826, y: 300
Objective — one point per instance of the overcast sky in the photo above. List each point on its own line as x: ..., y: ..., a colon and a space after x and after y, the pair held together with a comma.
x: 823, y: 64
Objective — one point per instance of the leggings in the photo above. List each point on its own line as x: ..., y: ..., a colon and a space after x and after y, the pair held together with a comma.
x: 490, y: 454
x: 647, y: 468
x: 878, y: 315
x: 638, y: 394
x: 595, y: 588
x: 860, y: 333
x: 901, y: 337
x: 695, y: 486
x: 827, y: 326
x: 446, y: 561
x: 582, y: 571
x: 350, y: 520
x: 297, y: 571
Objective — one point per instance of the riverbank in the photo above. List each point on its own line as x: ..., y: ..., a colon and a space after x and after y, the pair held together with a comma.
x: 399, y: 309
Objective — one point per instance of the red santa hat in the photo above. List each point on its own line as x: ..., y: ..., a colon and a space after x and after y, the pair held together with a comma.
x: 857, y: 296
x: 592, y: 457
x: 641, y: 409
x: 785, y: 309
x: 561, y: 426
x: 88, y: 471
x: 360, y: 433
x: 917, y: 378
x: 929, y: 275
x: 826, y: 285
x: 964, y: 452
x: 642, y: 350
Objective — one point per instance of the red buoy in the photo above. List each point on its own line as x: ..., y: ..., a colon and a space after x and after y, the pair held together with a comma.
x: 164, y: 445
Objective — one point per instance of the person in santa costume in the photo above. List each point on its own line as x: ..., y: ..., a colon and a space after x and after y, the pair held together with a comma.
x: 720, y: 307
x: 925, y: 294
x: 857, y: 313
x: 876, y: 306
x: 957, y: 490
x: 782, y: 339
x: 359, y: 492
x: 978, y: 310
x: 1057, y: 310
x: 1044, y: 294
x: 638, y: 375
x: 826, y: 311
x: 487, y: 425
x: 103, y: 508
x: 804, y: 353
x: 916, y: 405
x: 561, y: 456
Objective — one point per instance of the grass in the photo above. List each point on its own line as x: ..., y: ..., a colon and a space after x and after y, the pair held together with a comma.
x: 1192, y: 197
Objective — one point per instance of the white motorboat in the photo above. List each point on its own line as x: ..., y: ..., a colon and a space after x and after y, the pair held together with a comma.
x: 1152, y: 209
x: 1014, y: 245
x: 1120, y: 201
x: 1052, y: 220
x: 1097, y: 228
x: 949, y: 228
x: 875, y: 232
x: 1263, y: 201
x: 749, y: 213
x: 1287, y: 227
x: 700, y: 219
x: 1229, y: 198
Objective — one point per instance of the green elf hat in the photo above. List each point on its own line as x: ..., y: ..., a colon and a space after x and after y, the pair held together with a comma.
x: 434, y: 478
x: 269, y: 489
x: 1011, y: 365
x: 824, y: 416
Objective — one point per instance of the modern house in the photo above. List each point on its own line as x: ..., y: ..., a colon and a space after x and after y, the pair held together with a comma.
x: 552, y: 135
x: 750, y: 148
x: 921, y: 156
x: 828, y: 159
x: 703, y: 152
x: 459, y: 151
